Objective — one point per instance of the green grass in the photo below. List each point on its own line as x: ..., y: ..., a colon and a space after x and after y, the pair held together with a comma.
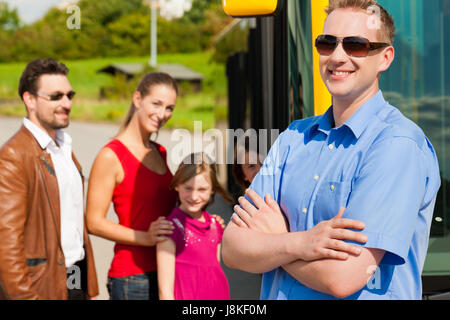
x: 207, y: 106
x: 9, y: 79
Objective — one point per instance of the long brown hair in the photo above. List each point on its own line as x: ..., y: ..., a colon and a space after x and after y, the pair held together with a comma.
x: 195, y: 164
x: 144, y: 88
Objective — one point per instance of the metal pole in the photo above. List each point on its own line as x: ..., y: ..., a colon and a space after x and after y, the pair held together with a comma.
x: 153, y: 34
x: 443, y: 129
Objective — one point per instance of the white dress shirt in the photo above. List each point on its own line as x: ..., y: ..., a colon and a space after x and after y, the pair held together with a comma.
x: 70, y: 190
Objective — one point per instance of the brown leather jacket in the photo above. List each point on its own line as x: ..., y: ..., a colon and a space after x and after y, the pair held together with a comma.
x: 32, y: 264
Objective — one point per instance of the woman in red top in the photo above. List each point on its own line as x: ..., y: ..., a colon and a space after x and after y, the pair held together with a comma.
x: 132, y: 172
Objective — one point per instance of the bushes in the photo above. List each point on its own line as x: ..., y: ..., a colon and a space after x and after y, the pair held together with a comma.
x: 129, y: 35
x: 112, y: 28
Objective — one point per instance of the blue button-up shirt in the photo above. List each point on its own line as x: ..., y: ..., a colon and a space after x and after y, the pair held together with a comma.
x: 381, y: 167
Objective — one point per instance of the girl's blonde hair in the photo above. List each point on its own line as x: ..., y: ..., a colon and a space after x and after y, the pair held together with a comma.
x: 195, y: 164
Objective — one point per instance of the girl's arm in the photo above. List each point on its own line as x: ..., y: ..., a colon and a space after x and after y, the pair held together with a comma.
x: 165, y: 257
x: 106, y: 173
x: 219, y: 247
x: 220, y: 225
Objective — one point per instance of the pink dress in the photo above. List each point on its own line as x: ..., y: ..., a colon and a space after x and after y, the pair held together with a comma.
x: 198, y: 274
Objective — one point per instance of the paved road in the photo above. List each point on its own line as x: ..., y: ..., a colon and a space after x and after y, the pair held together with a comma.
x: 88, y: 138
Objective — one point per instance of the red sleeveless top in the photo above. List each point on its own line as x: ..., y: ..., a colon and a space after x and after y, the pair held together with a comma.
x: 141, y: 198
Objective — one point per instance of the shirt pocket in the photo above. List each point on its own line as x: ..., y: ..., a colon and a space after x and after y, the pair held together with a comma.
x: 331, y: 196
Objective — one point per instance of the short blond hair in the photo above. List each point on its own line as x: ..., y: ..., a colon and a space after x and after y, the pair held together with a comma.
x: 387, y: 25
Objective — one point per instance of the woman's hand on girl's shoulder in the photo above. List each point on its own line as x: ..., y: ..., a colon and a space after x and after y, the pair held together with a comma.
x: 158, y: 231
x: 219, y: 220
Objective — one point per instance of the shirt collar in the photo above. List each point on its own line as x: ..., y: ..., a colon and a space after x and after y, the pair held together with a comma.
x: 357, y: 122
x: 43, y: 138
x: 323, y: 123
x: 326, y: 122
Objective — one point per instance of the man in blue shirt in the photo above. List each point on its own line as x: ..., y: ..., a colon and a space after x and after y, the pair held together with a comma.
x: 362, y: 154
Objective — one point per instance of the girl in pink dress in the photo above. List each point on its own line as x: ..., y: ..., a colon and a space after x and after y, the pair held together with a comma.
x: 188, y: 263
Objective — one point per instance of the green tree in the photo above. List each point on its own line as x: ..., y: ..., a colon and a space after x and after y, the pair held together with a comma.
x: 9, y: 23
x: 193, y: 31
x: 105, y: 12
x: 9, y: 18
x: 178, y: 36
x: 197, y: 13
x: 109, y: 28
x: 130, y: 35
x: 216, y: 21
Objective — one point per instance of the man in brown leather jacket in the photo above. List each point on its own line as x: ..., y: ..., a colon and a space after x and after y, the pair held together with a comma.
x: 45, y: 252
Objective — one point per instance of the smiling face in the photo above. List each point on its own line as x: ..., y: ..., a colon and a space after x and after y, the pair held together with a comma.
x: 351, y: 79
x: 194, y: 194
x: 156, y: 108
x: 47, y: 114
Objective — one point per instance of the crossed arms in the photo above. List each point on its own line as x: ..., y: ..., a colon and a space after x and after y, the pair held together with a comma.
x: 257, y: 240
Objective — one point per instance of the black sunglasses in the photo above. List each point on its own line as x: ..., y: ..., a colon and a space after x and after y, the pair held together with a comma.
x: 353, y: 46
x: 58, y: 96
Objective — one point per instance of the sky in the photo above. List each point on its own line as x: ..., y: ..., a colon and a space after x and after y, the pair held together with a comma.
x: 32, y: 10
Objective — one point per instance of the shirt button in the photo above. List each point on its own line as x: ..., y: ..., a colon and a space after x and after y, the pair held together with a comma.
x: 305, y: 210
x: 60, y: 262
x: 330, y: 147
x: 332, y: 187
x: 316, y: 177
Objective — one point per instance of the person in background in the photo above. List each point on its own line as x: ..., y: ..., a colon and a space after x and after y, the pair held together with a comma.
x: 246, y: 164
x: 189, y: 262
x: 45, y: 251
x: 132, y: 172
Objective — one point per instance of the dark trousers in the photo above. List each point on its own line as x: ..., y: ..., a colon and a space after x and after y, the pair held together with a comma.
x: 138, y: 287
x: 77, y: 281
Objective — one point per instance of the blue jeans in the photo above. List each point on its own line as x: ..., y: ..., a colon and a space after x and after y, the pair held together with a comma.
x: 138, y: 287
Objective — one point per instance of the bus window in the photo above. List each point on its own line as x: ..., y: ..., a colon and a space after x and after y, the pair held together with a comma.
x: 300, y: 60
x: 418, y: 83
x: 308, y: 94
